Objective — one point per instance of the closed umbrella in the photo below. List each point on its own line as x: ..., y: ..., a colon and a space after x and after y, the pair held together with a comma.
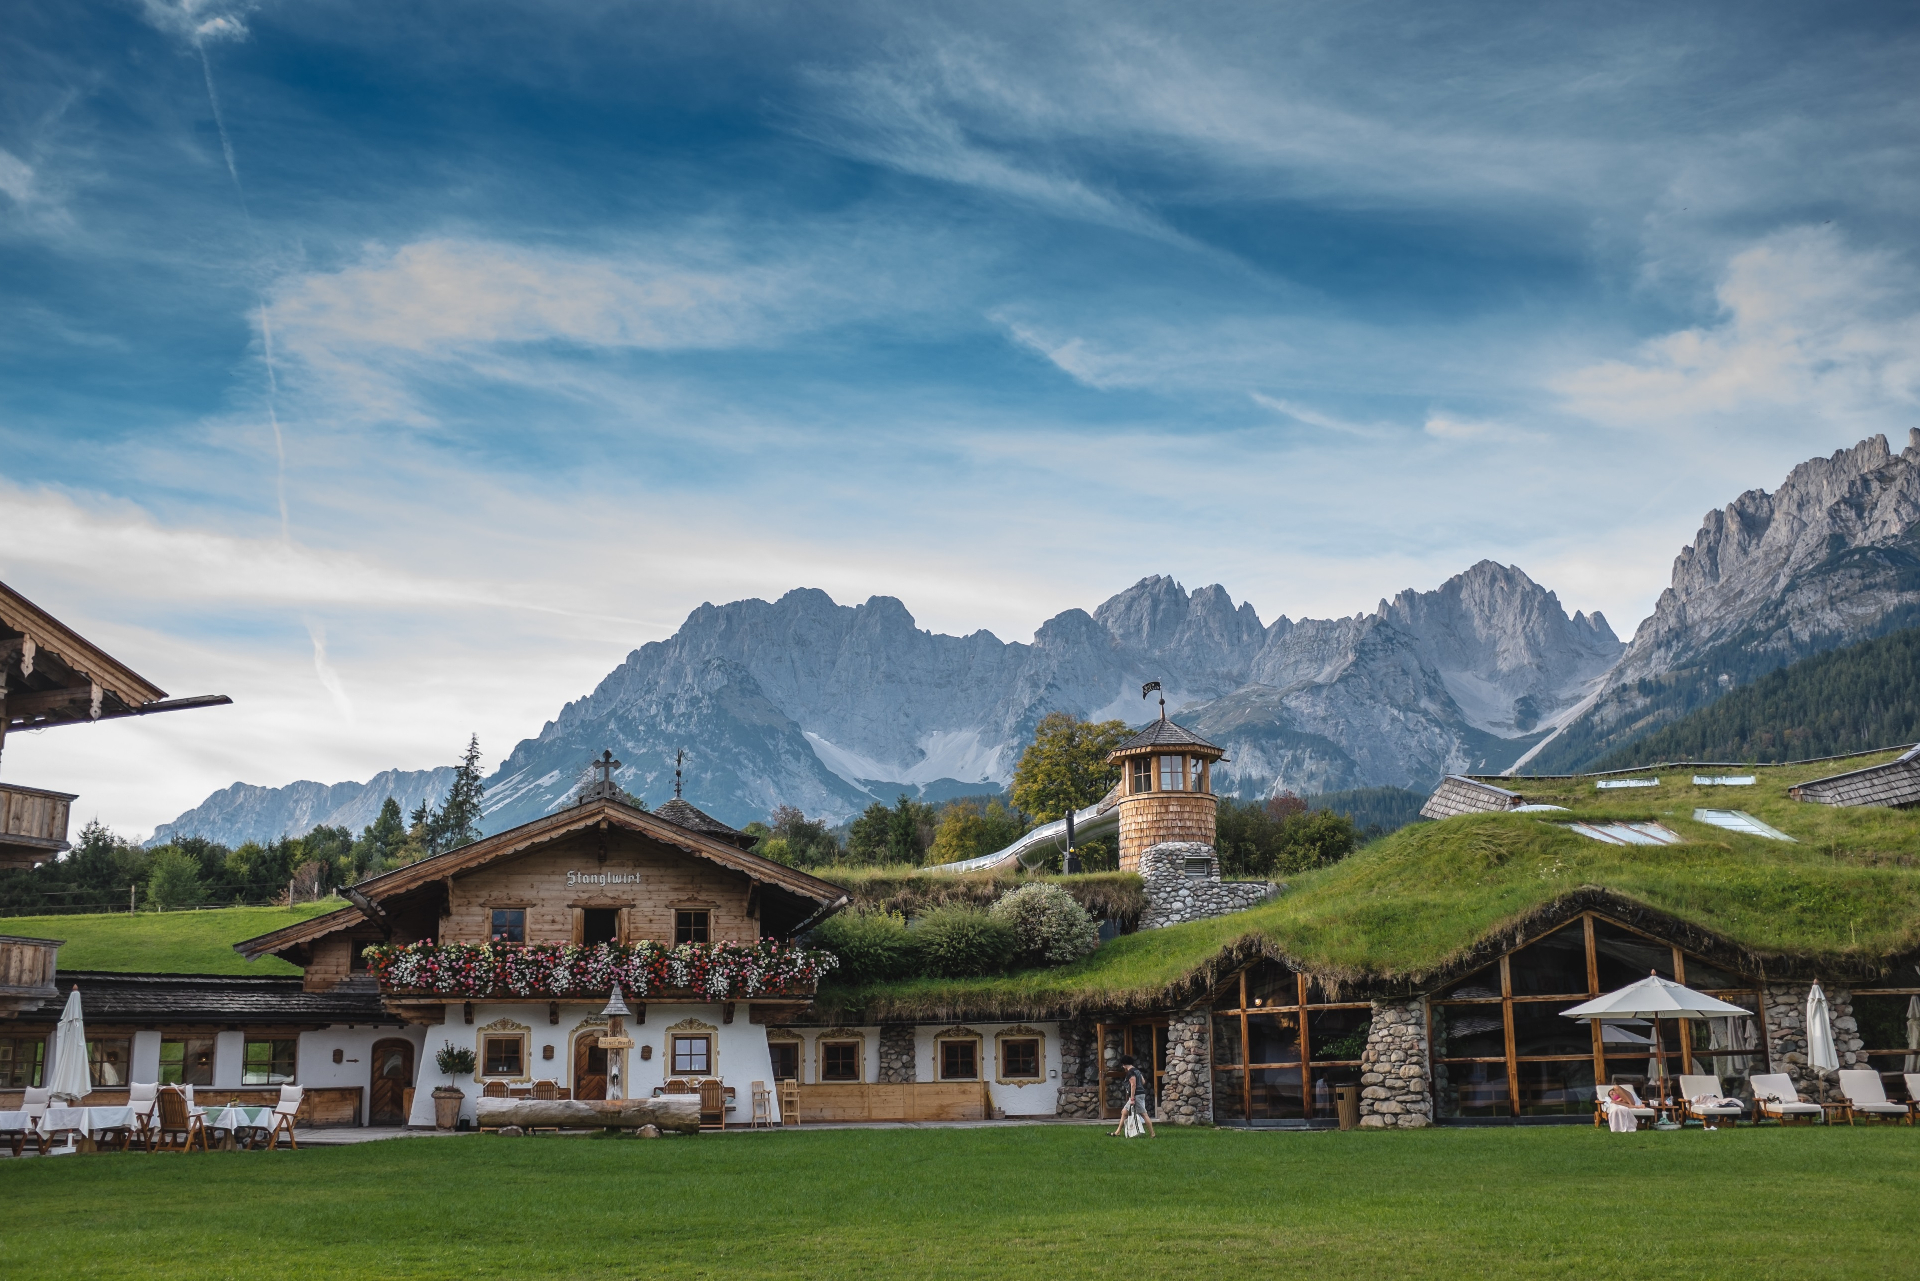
x: 70, y: 1076
x: 1913, y: 1033
x: 1654, y: 998
x: 1821, y: 1054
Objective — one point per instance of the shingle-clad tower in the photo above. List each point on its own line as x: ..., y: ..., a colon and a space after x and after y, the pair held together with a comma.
x: 1166, y: 789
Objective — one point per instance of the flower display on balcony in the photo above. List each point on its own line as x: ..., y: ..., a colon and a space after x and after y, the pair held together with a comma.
x: 717, y: 971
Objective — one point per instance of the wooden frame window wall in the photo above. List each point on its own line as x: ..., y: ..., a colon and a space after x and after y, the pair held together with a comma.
x: 1280, y: 1046
x: 1019, y: 1056
x: 841, y: 1059
x: 1144, y: 1039
x: 1500, y: 1048
x: 956, y: 1057
x: 1889, y: 1022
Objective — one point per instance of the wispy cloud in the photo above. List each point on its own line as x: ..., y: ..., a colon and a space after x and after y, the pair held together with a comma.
x: 1315, y: 418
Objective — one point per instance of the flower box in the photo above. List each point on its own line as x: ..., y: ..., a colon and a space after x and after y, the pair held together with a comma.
x: 546, y: 971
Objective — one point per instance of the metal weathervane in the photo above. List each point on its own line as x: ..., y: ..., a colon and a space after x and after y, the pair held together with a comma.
x: 678, y: 757
x: 1149, y: 688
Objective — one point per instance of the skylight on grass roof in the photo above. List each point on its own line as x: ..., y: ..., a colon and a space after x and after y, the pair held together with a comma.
x: 1628, y: 833
x: 1606, y: 783
x: 1740, y: 821
x: 1724, y: 780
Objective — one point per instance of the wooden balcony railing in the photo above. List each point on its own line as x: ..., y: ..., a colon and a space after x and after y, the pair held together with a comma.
x: 26, y: 973
x: 33, y: 825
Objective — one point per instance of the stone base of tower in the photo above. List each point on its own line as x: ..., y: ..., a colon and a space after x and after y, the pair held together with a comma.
x: 1183, y: 884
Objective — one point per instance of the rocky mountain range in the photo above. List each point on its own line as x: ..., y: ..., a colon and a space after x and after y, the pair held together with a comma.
x: 829, y: 707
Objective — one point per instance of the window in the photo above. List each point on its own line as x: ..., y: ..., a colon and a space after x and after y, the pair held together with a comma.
x: 187, y: 1061
x: 357, y: 955
x: 1173, y: 773
x: 1143, y: 773
x: 269, y: 1062
x: 959, y: 1060
x: 504, y: 1056
x: 22, y: 1059
x: 690, y: 926
x: 509, y: 925
x: 1281, y: 1048
x: 692, y: 1055
x: 107, y: 1062
x: 600, y: 925
x: 840, y: 1060
x: 1020, y: 1059
x: 1196, y: 774
x: 786, y: 1060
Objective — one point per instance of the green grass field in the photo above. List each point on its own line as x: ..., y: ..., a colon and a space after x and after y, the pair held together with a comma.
x: 1037, y: 1201
x: 166, y: 942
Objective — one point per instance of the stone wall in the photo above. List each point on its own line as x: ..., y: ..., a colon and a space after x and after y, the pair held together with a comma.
x: 1396, y: 1091
x: 1186, y: 1092
x: 896, y: 1054
x: 1079, y: 1072
x: 1175, y: 895
x: 1786, y: 1018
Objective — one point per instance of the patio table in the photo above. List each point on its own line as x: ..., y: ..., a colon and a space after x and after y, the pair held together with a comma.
x: 86, y: 1120
x: 235, y: 1117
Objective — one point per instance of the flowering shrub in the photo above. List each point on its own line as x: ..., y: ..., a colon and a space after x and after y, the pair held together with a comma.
x: 718, y: 971
x: 1050, y: 926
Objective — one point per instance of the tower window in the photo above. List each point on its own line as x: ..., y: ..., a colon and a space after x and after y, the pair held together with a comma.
x: 1173, y: 773
x: 1143, y: 773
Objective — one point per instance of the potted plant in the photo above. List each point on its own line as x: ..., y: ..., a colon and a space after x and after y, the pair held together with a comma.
x: 452, y: 1061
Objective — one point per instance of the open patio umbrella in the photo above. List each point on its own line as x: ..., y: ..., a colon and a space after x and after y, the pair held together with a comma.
x: 1654, y: 998
x: 1821, y: 1053
x: 70, y: 1076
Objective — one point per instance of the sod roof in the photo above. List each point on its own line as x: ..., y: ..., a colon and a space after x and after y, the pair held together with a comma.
x: 1437, y: 899
x: 165, y: 942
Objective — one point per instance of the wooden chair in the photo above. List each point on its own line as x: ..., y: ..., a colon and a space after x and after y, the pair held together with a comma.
x: 179, y: 1124
x: 677, y: 1086
x: 762, y: 1107
x: 494, y: 1090
x: 284, y: 1113
x: 713, y: 1106
x: 143, y: 1099
x: 546, y: 1089
x: 789, y: 1102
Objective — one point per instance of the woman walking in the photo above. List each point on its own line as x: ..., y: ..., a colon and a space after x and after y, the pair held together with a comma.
x: 1133, y: 1113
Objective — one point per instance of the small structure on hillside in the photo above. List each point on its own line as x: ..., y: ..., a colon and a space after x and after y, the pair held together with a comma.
x: 50, y: 675
x: 1894, y: 785
x: 1166, y: 789
x: 1458, y: 794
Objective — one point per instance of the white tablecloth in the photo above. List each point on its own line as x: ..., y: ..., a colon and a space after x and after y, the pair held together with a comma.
x: 237, y: 1116
x: 88, y: 1121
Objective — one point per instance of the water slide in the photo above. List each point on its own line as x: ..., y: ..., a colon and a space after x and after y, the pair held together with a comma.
x: 1099, y: 819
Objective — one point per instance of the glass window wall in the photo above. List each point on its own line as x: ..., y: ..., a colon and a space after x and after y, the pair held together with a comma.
x: 1265, y: 1069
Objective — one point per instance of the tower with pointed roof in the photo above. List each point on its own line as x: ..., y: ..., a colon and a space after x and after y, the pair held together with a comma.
x: 1166, y: 789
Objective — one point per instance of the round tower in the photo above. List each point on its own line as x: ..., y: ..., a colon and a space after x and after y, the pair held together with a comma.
x: 1166, y: 789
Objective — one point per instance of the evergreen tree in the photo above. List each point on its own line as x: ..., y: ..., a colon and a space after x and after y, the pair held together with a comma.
x: 379, y: 845
x: 174, y: 880
x: 458, y: 822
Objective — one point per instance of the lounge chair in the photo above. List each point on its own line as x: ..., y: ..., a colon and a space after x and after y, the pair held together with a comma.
x: 1867, y: 1096
x: 1639, y: 1111
x: 1913, y: 1092
x: 284, y: 1113
x: 1694, y: 1087
x: 1774, y: 1095
x: 180, y: 1124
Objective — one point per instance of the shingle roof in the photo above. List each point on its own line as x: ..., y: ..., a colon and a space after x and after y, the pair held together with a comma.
x: 1460, y: 795
x: 211, y: 998
x: 681, y: 814
x: 1894, y: 784
x: 1164, y: 733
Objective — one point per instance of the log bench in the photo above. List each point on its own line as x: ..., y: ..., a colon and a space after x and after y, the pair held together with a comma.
x: 675, y: 1113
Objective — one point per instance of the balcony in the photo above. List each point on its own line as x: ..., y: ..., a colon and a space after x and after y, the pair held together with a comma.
x: 552, y: 971
x: 33, y: 825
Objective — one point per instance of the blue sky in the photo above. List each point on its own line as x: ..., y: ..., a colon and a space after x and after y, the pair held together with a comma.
x: 464, y: 348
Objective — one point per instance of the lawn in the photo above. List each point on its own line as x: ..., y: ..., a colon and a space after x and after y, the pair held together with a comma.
x: 1060, y: 1201
x: 165, y: 942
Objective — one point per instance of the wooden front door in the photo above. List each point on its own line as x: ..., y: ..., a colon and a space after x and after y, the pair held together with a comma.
x: 589, y: 1067
x: 392, y: 1074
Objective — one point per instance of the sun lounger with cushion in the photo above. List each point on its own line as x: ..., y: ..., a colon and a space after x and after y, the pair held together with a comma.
x: 1868, y: 1097
x: 1774, y: 1095
x: 1693, y: 1088
x: 1634, y: 1107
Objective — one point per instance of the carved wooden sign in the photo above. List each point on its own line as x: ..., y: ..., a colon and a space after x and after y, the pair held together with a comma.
x: 616, y: 1043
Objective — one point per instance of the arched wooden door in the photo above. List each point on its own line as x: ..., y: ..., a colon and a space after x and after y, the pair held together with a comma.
x: 589, y: 1067
x: 392, y: 1074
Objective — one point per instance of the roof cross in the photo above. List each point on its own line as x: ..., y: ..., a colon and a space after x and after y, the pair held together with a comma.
x: 606, y: 765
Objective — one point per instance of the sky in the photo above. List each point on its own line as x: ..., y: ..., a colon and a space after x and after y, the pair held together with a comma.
x: 397, y: 369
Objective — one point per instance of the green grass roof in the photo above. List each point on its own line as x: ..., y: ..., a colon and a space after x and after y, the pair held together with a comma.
x: 1419, y: 904
x: 166, y: 942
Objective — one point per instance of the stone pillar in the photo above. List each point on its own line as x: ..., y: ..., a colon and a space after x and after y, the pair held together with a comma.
x: 1079, y: 1070
x: 1396, y: 1086
x: 1786, y: 1018
x: 896, y: 1054
x: 1186, y: 1094
x: 1183, y: 884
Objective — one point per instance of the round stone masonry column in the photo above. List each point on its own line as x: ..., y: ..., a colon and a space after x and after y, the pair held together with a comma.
x: 896, y: 1054
x: 1396, y: 1089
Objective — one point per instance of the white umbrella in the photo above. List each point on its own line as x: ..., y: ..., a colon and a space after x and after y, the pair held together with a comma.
x: 1653, y: 998
x: 1821, y: 1054
x: 70, y: 1076
x: 1913, y: 1033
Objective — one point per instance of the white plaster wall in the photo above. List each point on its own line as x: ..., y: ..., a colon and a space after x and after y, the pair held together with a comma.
x: 1038, y: 1098
x: 810, y: 1052
x: 229, y: 1054
x: 316, y: 1067
x: 143, y: 1060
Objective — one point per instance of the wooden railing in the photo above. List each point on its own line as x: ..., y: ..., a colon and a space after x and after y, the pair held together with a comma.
x: 33, y: 825
x: 26, y: 973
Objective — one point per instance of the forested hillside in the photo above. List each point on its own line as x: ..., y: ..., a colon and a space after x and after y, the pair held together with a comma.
x: 1845, y: 700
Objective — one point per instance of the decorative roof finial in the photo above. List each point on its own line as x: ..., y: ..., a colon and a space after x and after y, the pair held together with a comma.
x: 678, y: 756
x: 1149, y: 688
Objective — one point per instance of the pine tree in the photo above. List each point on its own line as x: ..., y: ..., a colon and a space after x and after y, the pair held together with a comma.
x: 458, y: 822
